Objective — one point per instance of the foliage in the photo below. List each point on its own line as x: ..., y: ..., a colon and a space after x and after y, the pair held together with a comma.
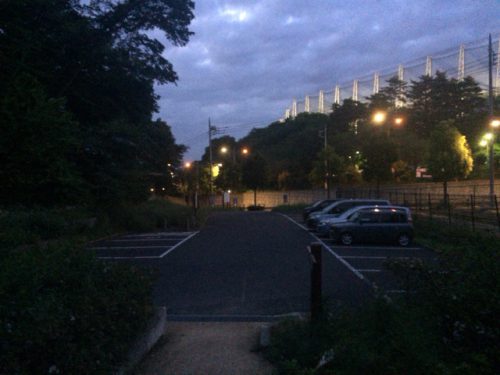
x: 379, y: 154
x: 254, y: 172
x: 290, y: 148
x: 447, y: 325
x: 62, y: 311
x: 449, y: 154
x: 334, y: 166
x: 78, y: 77
x: 38, y: 143
x: 151, y: 215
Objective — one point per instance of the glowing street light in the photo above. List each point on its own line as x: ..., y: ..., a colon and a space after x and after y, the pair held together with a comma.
x: 187, y: 165
x: 379, y: 117
x: 398, y: 121
x: 495, y: 123
x: 223, y: 149
x: 245, y: 151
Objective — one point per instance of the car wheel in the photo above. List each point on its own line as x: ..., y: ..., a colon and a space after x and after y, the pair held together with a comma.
x: 404, y: 239
x: 346, y: 238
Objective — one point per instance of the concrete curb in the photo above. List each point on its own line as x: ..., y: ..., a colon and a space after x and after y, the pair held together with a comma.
x: 154, y: 330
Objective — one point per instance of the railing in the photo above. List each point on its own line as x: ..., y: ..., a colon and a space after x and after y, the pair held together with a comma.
x: 479, y: 212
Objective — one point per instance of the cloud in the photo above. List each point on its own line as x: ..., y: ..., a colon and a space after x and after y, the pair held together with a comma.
x: 249, y: 59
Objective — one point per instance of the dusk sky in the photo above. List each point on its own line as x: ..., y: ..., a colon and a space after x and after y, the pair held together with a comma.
x: 249, y: 59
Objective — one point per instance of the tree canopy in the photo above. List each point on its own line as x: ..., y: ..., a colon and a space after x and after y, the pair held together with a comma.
x: 92, y: 66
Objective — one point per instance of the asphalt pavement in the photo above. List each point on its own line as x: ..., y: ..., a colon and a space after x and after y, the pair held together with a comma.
x: 247, y: 266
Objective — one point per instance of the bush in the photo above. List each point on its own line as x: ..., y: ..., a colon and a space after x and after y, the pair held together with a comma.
x: 378, y: 338
x: 254, y: 207
x: 151, y: 215
x: 63, y: 311
x: 290, y: 208
x: 448, y: 324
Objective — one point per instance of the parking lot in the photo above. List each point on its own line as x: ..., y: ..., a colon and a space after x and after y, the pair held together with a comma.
x: 369, y: 262
x: 140, y: 246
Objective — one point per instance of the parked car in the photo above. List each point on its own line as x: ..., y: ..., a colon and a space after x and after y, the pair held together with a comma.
x: 375, y: 225
x: 316, y: 206
x: 339, y: 207
x: 323, y: 227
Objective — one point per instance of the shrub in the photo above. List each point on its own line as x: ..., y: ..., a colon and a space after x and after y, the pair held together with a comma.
x: 63, y: 311
x: 151, y: 215
x: 255, y: 207
x: 290, y: 208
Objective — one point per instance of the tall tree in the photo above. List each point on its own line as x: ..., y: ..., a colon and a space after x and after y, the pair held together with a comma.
x: 38, y: 144
x: 254, y: 174
x: 97, y: 56
x: 449, y: 154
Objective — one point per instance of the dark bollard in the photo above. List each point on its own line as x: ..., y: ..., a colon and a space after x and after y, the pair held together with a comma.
x: 315, y: 250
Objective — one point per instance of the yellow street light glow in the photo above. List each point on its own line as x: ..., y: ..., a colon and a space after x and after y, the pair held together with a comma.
x: 483, y: 143
x: 244, y: 151
x: 495, y: 123
x: 488, y: 136
x: 379, y: 117
x: 219, y: 165
x: 398, y: 121
x: 187, y: 164
x: 223, y: 149
x: 152, y: 190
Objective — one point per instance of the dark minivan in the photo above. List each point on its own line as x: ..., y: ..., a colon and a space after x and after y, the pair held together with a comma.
x: 375, y: 225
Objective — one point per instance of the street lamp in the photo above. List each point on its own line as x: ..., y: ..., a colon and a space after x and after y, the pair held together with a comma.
x: 490, y: 137
x: 379, y: 117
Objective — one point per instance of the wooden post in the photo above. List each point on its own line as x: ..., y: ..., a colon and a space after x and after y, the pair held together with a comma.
x: 315, y: 250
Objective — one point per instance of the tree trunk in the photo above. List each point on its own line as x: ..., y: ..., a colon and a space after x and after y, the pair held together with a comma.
x: 445, y: 192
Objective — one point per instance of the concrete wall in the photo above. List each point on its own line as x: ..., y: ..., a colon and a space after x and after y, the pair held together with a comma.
x: 274, y: 198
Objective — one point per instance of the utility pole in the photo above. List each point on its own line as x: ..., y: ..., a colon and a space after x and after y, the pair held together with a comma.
x: 327, y: 174
x: 210, y: 182
x: 490, y: 112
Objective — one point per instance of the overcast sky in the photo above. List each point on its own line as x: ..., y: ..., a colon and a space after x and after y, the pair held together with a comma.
x: 249, y: 59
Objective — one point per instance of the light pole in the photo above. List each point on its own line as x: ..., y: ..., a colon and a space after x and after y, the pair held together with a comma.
x: 490, y: 139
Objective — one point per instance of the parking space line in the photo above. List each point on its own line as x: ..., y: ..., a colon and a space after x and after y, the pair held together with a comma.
x: 159, y: 234
x: 339, y: 258
x: 180, y: 243
x: 145, y: 240
x: 168, y: 249
x: 127, y: 247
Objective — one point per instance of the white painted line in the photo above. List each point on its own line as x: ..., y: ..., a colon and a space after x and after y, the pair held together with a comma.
x: 180, y: 243
x: 127, y: 247
x: 151, y: 257
x: 145, y: 240
x: 339, y: 258
x: 121, y: 258
x: 159, y: 234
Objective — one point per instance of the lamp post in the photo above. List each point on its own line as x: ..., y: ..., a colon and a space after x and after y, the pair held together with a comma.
x: 490, y: 138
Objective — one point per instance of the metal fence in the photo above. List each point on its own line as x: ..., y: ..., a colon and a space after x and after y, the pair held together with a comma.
x: 479, y: 212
